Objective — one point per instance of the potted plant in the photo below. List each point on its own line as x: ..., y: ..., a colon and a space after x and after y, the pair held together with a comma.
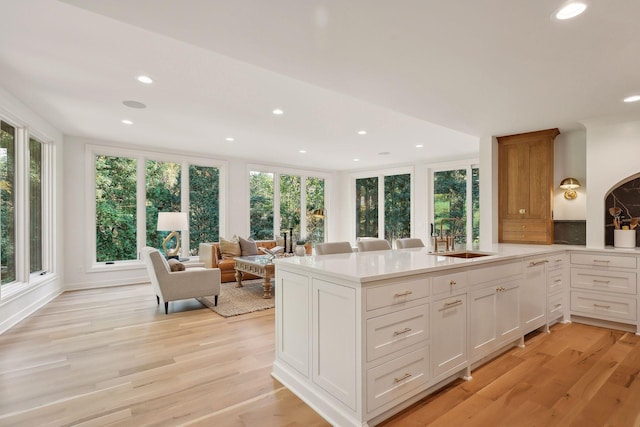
x: 300, y: 247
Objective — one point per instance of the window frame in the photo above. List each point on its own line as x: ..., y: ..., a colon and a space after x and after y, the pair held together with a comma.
x: 141, y: 157
x: 25, y: 280
x: 468, y: 165
x: 303, y: 174
x: 410, y: 170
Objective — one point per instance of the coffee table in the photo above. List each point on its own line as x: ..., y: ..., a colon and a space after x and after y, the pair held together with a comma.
x: 258, y: 265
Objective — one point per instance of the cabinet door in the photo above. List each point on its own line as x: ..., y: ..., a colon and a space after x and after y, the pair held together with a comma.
x: 533, y: 295
x: 514, y: 180
x: 482, y: 324
x: 508, y: 312
x: 494, y: 317
x: 449, y: 334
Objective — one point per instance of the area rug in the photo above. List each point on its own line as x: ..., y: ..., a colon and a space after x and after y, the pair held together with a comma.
x: 234, y: 301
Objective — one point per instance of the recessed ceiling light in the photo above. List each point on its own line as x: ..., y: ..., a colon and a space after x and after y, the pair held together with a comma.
x: 384, y: 153
x: 278, y: 112
x: 229, y: 139
x: 134, y: 104
x: 356, y: 160
x: 570, y: 10
x: 419, y: 145
x: 633, y: 98
x: 145, y: 79
x: 127, y: 122
x: 362, y: 132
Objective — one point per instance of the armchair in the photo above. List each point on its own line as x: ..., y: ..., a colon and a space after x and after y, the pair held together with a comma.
x: 176, y: 285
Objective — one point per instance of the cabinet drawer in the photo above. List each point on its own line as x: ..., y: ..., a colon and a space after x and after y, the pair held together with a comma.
x: 555, y: 308
x: 556, y: 262
x: 482, y: 275
x: 604, y: 280
x: 392, y: 332
x: 397, y: 293
x: 449, y: 283
x: 604, y: 260
x: 555, y: 282
x: 604, y: 307
x: 392, y: 380
x: 524, y: 236
x: 521, y: 227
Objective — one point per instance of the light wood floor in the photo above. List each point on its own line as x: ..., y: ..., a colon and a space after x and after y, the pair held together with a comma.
x: 111, y: 357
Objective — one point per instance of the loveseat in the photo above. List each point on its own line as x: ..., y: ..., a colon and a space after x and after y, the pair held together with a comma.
x: 212, y: 258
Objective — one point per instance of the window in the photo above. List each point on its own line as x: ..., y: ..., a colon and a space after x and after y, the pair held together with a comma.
x: 286, y: 201
x: 131, y: 189
x: 397, y: 207
x: 261, y: 205
x: 290, y: 203
x: 35, y: 206
x: 316, y: 213
x: 26, y: 209
x: 456, y: 203
x: 383, y: 206
x: 115, y: 192
x: 204, y: 205
x: 162, y: 195
x: 8, y: 202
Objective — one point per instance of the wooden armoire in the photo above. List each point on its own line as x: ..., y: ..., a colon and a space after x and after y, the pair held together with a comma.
x: 525, y: 187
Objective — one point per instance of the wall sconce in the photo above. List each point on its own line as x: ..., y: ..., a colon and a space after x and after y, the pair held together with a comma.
x: 570, y: 185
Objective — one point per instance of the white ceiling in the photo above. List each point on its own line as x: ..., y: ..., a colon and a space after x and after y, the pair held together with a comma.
x: 433, y: 72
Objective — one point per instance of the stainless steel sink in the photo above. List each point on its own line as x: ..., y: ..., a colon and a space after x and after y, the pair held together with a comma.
x: 462, y: 254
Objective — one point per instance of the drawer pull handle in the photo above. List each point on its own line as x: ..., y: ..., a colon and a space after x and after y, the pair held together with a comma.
x: 601, y: 306
x: 402, y: 378
x: 557, y: 281
x: 601, y: 281
x: 405, y: 330
x: 405, y: 293
x: 500, y: 289
x: 559, y: 260
x: 534, y: 263
x: 452, y: 282
x: 601, y: 260
x: 557, y: 306
x: 453, y: 303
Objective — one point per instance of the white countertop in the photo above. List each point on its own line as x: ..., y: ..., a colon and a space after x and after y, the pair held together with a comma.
x: 369, y: 266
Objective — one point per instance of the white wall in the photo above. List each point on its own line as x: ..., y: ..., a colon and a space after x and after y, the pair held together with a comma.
x: 570, y: 160
x: 613, y: 153
x: 18, y: 306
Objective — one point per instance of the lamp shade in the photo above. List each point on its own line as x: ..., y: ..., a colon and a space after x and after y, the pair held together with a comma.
x: 172, y: 221
x: 569, y: 184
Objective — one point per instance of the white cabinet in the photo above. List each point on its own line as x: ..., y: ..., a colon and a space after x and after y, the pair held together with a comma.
x: 556, y: 288
x: 533, y: 297
x: 448, y: 335
x: 494, y: 317
x: 604, y: 286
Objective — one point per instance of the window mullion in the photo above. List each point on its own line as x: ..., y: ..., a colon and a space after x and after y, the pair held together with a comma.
x: 276, y: 205
x: 381, y: 230
x: 184, y: 207
x: 21, y: 212
x: 303, y: 207
x: 141, y: 204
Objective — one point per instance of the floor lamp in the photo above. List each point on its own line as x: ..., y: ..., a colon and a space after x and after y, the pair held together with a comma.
x: 173, y: 222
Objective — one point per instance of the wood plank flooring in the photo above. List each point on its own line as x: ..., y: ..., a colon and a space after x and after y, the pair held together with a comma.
x: 111, y: 357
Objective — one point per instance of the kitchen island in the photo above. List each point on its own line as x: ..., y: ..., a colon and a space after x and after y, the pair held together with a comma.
x: 361, y: 336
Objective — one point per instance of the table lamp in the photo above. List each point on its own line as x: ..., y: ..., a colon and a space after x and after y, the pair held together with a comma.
x: 173, y: 222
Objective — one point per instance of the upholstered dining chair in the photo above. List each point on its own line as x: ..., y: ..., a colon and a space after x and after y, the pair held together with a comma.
x: 368, y: 245
x: 329, y: 248
x: 409, y: 242
x: 176, y: 285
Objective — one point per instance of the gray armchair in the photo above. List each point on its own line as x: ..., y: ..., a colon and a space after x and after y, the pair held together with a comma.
x: 409, y: 242
x: 367, y: 245
x: 329, y: 248
x: 176, y: 285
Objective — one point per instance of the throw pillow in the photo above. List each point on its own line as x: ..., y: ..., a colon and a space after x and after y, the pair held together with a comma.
x: 176, y: 265
x: 230, y: 248
x: 248, y: 247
